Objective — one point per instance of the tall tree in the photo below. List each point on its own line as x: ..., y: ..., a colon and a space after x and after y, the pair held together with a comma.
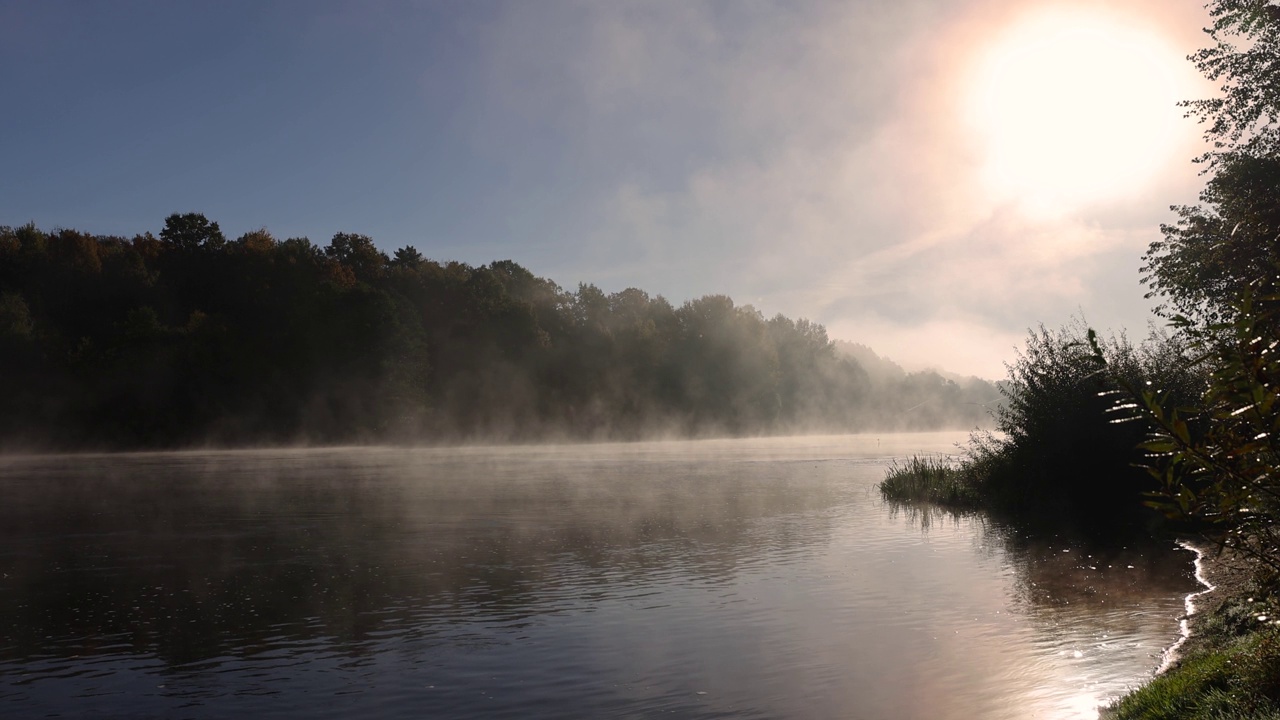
x: 1229, y: 244
x: 1217, y: 269
x: 188, y: 231
x: 357, y: 253
x: 1243, y: 118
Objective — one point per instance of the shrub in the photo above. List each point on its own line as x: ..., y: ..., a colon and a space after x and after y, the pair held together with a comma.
x: 1061, y: 456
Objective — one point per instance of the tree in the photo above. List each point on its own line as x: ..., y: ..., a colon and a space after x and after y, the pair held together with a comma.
x: 1228, y: 244
x: 190, y: 231
x: 1223, y: 248
x: 1243, y: 119
x: 357, y: 253
x: 1219, y: 461
x: 257, y: 242
x: 407, y: 258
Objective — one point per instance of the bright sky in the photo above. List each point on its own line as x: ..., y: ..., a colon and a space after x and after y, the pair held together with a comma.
x: 927, y: 177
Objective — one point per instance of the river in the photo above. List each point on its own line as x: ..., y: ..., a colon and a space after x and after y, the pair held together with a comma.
x: 758, y: 578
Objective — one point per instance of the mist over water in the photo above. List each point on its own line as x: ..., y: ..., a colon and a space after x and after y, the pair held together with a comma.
x: 742, y: 578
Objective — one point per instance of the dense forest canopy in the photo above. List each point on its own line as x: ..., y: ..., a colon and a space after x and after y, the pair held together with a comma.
x: 190, y: 337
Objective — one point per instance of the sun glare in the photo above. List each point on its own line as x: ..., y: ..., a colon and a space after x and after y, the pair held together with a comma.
x: 1073, y: 107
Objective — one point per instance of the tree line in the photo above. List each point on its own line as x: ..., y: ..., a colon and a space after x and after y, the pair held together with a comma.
x: 190, y: 337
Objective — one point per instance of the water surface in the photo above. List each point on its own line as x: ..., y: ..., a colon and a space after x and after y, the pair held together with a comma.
x: 736, y: 578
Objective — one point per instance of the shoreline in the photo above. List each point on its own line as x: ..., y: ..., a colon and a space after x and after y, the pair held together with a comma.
x: 1196, y: 604
x: 1222, y: 666
x: 1227, y: 575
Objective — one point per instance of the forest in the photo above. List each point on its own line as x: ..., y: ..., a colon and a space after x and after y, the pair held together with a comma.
x: 191, y: 338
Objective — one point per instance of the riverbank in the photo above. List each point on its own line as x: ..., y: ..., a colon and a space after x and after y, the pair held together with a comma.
x: 1223, y: 576
x: 1229, y: 665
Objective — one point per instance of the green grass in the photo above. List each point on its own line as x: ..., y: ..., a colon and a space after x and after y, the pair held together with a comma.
x: 1233, y: 672
x: 931, y: 479
x: 1240, y: 681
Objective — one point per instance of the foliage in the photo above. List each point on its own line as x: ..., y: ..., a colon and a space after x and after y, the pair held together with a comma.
x: 1218, y: 251
x: 191, y: 231
x: 1227, y: 245
x: 1242, y: 119
x: 1217, y: 270
x: 1062, y: 452
x: 1216, y: 460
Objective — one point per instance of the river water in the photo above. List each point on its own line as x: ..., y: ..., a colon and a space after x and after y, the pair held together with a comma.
x: 730, y: 578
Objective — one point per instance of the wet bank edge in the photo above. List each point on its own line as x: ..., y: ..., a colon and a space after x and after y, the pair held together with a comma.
x: 1225, y: 576
x: 1208, y: 596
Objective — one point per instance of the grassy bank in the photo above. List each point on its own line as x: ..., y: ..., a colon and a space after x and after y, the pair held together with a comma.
x: 1235, y: 681
x: 1230, y: 667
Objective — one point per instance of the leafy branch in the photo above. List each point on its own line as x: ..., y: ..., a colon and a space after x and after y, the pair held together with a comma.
x: 1216, y: 464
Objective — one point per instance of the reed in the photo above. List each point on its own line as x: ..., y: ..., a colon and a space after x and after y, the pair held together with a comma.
x: 935, y: 479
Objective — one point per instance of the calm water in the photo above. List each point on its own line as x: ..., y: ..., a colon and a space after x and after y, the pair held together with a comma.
x: 745, y: 578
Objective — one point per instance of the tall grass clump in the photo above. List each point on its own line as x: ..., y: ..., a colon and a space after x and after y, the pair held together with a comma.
x: 930, y: 479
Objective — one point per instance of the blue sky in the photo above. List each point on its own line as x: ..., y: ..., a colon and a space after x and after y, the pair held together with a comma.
x: 808, y: 158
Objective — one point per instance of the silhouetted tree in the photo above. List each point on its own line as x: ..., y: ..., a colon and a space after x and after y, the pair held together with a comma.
x: 358, y: 254
x: 189, y: 231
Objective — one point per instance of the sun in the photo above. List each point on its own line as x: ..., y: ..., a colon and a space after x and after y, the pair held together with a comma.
x: 1073, y: 107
